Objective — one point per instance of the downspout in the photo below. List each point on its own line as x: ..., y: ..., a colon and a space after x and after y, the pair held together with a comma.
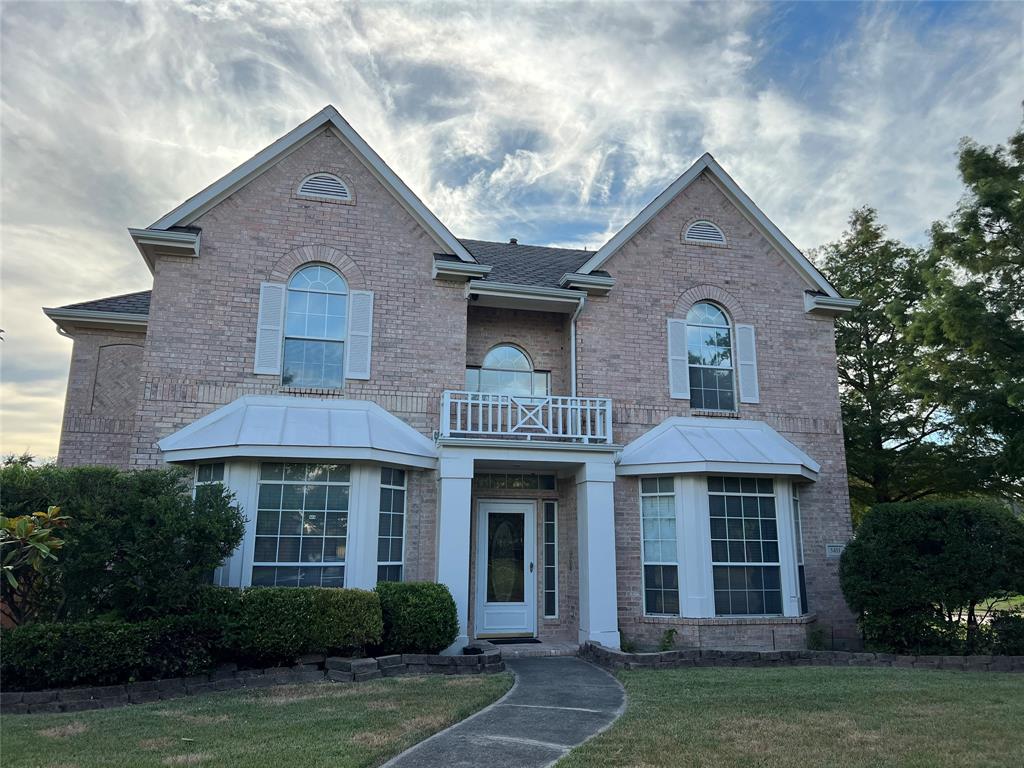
x: 572, y: 345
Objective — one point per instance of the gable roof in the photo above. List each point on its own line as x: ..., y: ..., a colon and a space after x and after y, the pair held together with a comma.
x: 328, y: 117
x: 526, y: 264
x: 707, y: 164
x: 128, y: 303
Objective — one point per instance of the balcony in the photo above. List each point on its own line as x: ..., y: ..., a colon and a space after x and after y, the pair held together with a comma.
x: 555, y: 419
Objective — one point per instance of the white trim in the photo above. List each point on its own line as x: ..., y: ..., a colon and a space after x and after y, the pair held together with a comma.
x: 154, y: 242
x: 359, y: 336
x: 706, y: 162
x: 513, y: 296
x: 458, y: 270
x: 678, y: 390
x: 747, y: 389
x: 816, y: 304
x: 195, y: 206
x: 115, y: 320
x: 594, y: 285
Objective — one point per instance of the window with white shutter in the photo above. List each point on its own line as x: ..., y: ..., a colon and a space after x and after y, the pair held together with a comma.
x: 360, y: 334
x: 269, y: 325
x: 314, y: 329
x: 678, y: 374
x: 710, y: 358
x: 746, y: 355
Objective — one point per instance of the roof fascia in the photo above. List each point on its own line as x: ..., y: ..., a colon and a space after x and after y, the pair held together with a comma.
x: 458, y: 270
x: 594, y: 285
x: 717, y: 467
x: 198, y: 204
x: 526, y: 296
x: 816, y: 304
x: 121, y: 321
x: 335, y: 453
x: 739, y: 198
x: 157, y: 242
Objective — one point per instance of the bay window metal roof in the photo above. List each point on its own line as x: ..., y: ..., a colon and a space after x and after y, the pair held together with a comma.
x: 284, y: 427
x: 684, y: 445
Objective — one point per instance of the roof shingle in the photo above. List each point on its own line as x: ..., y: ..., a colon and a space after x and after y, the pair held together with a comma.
x: 526, y: 264
x: 128, y: 303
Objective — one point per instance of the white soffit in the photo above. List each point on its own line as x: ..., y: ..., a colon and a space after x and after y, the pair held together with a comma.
x: 198, y: 204
x: 743, y: 203
x: 282, y: 427
x: 717, y: 446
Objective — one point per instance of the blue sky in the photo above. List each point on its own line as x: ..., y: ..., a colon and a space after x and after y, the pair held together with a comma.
x: 551, y: 122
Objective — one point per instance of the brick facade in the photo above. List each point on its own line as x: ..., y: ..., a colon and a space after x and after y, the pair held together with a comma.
x: 127, y: 391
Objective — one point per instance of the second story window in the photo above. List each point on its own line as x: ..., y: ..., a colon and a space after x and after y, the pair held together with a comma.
x: 507, y: 370
x: 314, y: 331
x: 710, y: 358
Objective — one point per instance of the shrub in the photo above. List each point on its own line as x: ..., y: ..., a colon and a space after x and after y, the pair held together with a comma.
x: 916, y: 572
x: 1008, y: 634
x: 28, y: 551
x: 104, y: 652
x: 140, y: 545
x: 419, y: 617
x: 271, y: 625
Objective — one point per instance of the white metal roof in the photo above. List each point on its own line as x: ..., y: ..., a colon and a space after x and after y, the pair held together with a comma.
x: 695, y: 445
x: 277, y: 426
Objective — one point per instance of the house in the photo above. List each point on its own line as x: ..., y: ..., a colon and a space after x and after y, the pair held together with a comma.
x: 577, y: 443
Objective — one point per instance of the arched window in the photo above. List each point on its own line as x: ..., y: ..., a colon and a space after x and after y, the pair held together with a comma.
x: 507, y: 370
x: 314, y: 331
x: 710, y: 358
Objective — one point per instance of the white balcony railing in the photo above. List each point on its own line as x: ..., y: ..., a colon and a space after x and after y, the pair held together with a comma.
x: 565, y: 419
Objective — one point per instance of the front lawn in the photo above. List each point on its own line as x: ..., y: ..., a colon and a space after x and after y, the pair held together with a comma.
x: 317, y: 724
x: 812, y: 716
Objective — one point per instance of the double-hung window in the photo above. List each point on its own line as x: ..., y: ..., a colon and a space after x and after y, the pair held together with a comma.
x: 314, y: 329
x: 710, y: 358
x: 661, y: 569
x: 301, y: 525
x: 391, y: 525
x: 744, y: 546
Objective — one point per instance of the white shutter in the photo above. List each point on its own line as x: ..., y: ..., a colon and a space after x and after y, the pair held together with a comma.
x: 360, y: 333
x: 746, y: 353
x: 678, y: 366
x: 269, y: 327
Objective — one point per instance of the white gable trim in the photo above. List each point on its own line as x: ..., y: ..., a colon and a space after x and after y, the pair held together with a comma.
x: 739, y: 198
x: 198, y: 204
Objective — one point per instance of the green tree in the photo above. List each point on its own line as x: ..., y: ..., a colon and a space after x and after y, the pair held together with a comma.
x: 28, y: 550
x: 971, y: 323
x: 898, y: 447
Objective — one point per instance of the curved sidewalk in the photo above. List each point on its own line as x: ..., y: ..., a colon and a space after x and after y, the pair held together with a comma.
x: 556, y: 704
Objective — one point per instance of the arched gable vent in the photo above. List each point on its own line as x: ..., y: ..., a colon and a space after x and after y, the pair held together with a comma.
x: 324, y: 185
x: 705, y: 233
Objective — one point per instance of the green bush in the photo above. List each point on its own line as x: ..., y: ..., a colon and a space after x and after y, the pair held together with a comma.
x: 419, y: 617
x: 1008, y: 634
x: 916, y: 572
x: 271, y: 625
x: 105, y: 652
x: 140, y: 546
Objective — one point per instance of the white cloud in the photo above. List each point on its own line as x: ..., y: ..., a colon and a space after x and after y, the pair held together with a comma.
x: 552, y: 122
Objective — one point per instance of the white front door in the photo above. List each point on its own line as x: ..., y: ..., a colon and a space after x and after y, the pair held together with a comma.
x: 506, y: 573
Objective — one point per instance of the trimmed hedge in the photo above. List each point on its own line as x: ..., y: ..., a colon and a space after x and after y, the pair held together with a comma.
x: 270, y: 625
x: 105, y: 652
x: 419, y: 617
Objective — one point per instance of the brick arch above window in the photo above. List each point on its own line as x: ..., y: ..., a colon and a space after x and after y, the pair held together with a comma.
x: 323, y: 254
x: 712, y: 293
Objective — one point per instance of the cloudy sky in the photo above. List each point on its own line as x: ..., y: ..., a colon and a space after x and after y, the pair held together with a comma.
x: 554, y: 123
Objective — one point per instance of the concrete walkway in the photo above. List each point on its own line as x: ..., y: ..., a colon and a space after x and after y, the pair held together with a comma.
x: 556, y: 704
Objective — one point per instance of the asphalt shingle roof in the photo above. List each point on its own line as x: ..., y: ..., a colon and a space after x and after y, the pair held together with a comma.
x: 128, y: 303
x: 526, y: 264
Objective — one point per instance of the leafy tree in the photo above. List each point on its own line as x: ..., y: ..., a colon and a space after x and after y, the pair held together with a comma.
x: 917, y: 572
x: 898, y: 447
x: 971, y: 323
x: 141, y: 544
x: 28, y: 551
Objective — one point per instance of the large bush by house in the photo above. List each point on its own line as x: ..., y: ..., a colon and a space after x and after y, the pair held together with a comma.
x: 917, y: 572
x: 419, y: 617
x: 105, y: 651
x: 140, y: 545
x: 270, y: 625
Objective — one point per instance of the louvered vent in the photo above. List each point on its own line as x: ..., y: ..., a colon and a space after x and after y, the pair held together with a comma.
x: 324, y: 185
x: 704, y: 232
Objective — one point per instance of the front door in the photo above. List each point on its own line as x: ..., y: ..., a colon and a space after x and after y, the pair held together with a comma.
x: 506, y: 587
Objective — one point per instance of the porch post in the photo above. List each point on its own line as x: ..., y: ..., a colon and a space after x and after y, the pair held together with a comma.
x: 595, y: 521
x: 453, y: 538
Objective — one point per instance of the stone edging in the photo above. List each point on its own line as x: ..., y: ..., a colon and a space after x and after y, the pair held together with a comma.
x: 228, y: 677
x: 612, y: 659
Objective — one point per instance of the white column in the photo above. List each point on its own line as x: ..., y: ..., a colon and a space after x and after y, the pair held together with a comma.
x: 787, y: 547
x: 454, y: 507
x: 693, y: 532
x: 363, y: 524
x: 242, y: 479
x: 595, y: 521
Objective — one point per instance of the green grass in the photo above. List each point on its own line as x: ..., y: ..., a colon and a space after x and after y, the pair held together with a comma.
x: 317, y: 724
x: 812, y: 716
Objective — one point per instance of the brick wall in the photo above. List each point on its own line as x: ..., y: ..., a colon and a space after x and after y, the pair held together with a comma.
x: 102, y: 396
x: 544, y: 336
x: 622, y: 354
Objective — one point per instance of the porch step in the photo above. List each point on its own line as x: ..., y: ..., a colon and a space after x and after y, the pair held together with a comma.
x: 525, y: 650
